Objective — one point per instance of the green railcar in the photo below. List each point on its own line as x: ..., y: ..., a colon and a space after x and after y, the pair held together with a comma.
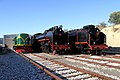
x: 22, y: 43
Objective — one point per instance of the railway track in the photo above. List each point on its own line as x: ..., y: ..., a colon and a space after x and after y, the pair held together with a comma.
x: 61, y: 71
x: 108, y: 64
x: 105, y: 66
x: 115, y: 56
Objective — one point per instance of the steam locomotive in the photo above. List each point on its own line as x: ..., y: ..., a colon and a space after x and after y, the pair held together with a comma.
x: 53, y: 40
x: 89, y: 39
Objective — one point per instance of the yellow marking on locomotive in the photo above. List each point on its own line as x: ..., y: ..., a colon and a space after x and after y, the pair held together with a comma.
x: 20, y: 38
x: 26, y: 38
x: 81, y: 42
x: 22, y: 45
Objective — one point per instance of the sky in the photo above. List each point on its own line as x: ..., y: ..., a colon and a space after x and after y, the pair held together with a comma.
x: 35, y: 16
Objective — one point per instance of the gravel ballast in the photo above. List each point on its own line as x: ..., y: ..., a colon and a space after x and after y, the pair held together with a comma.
x: 15, y: 67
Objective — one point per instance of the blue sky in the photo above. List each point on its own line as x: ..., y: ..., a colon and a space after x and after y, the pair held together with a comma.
x: 33, y: 16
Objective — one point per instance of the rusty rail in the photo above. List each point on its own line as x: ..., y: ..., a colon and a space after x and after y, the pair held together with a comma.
x: 40, y: 67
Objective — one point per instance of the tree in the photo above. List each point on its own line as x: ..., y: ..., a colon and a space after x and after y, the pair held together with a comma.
x: 101, y: 25
x: 114, y: 18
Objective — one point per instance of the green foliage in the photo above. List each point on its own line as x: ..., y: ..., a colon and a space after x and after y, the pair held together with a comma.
x: 114, y: 18
x: 103, y: 24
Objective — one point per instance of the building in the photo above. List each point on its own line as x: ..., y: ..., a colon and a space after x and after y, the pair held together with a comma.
x: 8, y: 40
x: 1, y: 41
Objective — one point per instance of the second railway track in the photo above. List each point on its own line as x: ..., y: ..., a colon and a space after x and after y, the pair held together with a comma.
x: 107, y: 66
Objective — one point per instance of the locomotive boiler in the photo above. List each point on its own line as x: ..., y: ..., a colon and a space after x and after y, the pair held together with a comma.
x: 54, y: 40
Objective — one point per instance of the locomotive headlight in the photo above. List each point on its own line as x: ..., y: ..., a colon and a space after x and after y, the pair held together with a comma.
x: 56, y: 43
x: 68, y: 43
x: 60, y: 34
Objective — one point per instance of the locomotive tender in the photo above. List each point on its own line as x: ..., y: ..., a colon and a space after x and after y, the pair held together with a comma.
x: 35, y: 43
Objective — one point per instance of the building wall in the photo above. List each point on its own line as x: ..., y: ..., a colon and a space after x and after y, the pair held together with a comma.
x: 112, y: 35
x: 1, y: 40
x: 8, y: 40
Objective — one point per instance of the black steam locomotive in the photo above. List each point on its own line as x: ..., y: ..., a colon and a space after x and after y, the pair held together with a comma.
x: 89, y: 39
x: 52, y: 40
